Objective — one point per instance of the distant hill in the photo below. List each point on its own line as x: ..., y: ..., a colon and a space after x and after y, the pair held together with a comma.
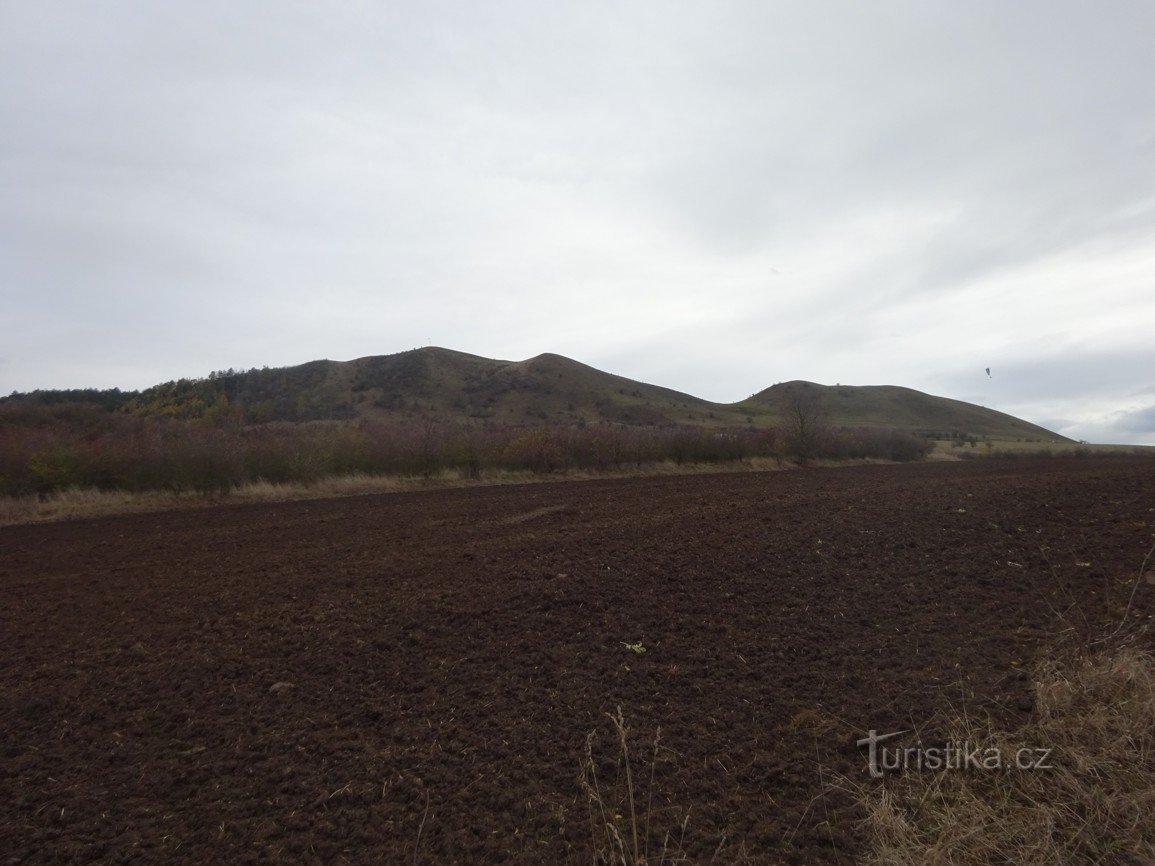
x: 545, y: 389
x: 444, y: 385
x: 433, y: 383
x: 893, y: 406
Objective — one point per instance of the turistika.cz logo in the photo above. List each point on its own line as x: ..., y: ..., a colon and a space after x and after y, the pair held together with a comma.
x: 964, y: 756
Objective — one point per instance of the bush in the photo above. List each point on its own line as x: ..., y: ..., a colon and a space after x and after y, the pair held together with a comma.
x: 47, y: 448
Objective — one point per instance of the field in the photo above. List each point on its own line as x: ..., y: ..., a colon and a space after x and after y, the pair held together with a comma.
x: 415, y: 677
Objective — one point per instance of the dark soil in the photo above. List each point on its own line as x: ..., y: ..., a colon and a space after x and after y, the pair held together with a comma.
x: 413, y: 677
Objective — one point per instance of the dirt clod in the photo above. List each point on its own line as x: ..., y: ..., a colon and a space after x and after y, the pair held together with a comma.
x: 446, y: 679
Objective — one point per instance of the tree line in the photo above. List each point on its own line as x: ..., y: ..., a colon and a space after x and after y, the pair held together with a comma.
x: 51, y: 446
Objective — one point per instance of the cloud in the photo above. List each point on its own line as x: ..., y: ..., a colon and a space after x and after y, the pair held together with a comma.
x: 712, y: 197
x: 1129, y: 427
x: 1137, y: 423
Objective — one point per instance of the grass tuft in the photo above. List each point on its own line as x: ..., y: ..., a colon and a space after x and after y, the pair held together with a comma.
x: 624, y: 830
x: 614, y: 809
x: 1095, y: 709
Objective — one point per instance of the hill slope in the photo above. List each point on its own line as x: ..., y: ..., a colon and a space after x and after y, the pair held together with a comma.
x: 443, y: 385
x: 893, y: 406
x: 434, y: 383
x: 545, y: 389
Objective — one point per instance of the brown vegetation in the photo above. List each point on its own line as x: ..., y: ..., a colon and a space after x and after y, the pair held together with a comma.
x: 1094, y: 712
x: 46, y: 449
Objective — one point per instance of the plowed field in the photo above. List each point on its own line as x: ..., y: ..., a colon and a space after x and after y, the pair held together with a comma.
x: 413, y: 677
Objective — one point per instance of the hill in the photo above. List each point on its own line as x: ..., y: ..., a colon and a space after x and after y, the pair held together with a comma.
x: 547, y: 388
x: 455, y: 387
x: 433, y: 383
x: 896, y: 407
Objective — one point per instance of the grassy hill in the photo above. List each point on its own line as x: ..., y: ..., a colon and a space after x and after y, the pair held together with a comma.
x: 434, y: 383
x: 447, y: 386
x: 896, y: 407
x: 544, y: 389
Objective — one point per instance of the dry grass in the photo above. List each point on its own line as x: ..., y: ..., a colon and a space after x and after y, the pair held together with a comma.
x: 1000, y: 447
x: 627, y: 826
x: 614, y: 809
x: 1095, y: 709
x: 76, y: 503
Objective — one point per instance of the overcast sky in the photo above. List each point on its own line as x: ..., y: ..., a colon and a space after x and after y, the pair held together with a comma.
x: 710, y: 196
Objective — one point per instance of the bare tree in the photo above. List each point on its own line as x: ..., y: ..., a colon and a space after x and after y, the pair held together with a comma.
x: 806, y: 424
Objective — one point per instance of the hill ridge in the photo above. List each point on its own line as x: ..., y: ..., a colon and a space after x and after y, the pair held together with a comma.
x: 440, y: 384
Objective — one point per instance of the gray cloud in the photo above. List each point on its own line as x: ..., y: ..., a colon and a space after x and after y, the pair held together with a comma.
x: 712, y: 197
x: 1133, y: 426
x: 1139, y: 423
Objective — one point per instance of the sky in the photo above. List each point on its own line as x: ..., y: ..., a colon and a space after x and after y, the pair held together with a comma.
x: 710, y: 196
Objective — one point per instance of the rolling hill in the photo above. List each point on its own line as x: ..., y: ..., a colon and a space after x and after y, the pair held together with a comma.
x: 897, y: 407
x: 444, y: 385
